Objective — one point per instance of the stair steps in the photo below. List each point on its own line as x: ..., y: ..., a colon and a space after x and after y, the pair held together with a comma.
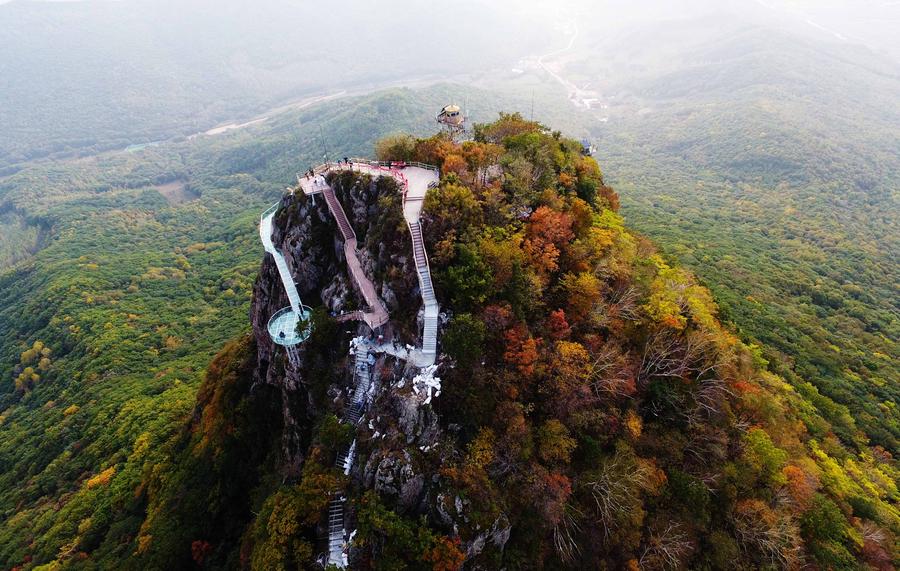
x: 429, y: 330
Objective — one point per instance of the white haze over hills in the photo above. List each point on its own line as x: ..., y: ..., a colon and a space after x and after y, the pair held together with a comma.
x: 87, y: 76
x: 874, y: 23
x: 105, y: 74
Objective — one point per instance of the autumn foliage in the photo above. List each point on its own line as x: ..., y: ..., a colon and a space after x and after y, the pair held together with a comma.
x: 606, y: 383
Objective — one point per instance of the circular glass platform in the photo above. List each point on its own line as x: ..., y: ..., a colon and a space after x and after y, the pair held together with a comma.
x: 287, y: 327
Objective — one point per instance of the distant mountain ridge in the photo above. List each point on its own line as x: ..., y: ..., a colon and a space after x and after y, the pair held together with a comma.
x: 91, y: 76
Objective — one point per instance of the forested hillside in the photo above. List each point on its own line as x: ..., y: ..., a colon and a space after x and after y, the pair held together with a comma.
x: 765, y: 160
x: 106, y: 331
x: 603, y: 408
x: 779, y: 190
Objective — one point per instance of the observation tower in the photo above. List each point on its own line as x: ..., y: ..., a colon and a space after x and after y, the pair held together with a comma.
x: 453, y: 120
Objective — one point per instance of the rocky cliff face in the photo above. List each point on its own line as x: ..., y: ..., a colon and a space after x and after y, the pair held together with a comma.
x: 308, y: 238
x: 402, y: 446
x: 306, y: 235
x: 400, y: 439
x: 375, y: 209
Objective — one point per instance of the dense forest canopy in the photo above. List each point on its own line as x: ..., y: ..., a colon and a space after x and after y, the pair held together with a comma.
x: 787, y: 211
x: 602, y: 409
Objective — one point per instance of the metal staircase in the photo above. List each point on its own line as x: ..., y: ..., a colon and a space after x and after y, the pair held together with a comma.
x: 429, y: 330
x: 356, y: 407
x: 344, y: 461
x: 336, y: 532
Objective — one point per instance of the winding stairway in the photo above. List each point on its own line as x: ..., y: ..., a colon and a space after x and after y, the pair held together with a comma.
x: 337, y: 541
x: 415, y: 179
x: 377, y: 314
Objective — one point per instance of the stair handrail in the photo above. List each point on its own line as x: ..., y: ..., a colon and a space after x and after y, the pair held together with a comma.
x: 340, y: 207
x: 424, y: 253
x: 270, y: 210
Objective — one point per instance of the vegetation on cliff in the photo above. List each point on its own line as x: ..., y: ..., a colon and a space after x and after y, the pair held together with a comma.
x: 604, y: 411
x: 593, y: 406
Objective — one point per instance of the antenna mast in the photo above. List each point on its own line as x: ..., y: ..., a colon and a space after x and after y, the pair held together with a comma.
x: 324, y: 146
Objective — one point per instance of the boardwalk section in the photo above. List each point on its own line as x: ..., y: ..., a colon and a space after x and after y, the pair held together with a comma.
x: 265, y: 235
x: 289, y: 326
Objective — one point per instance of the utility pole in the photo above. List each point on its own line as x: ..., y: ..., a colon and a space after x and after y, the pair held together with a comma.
x: 324, y: 146
x: 532, y: 105
x: 466, y: 109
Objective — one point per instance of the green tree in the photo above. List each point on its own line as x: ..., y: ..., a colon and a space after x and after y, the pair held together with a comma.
x: 468, y: 281
x: 828, y: 535
x: 464, y: 339
x: 396, y: 147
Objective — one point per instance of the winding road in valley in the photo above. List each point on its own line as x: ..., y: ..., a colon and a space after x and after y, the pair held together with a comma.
x: 571, y: 88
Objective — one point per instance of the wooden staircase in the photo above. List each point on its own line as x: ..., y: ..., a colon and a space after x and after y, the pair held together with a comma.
x: 339, y: 215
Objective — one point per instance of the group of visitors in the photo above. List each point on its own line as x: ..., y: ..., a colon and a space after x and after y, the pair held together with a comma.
x: 318, y: 180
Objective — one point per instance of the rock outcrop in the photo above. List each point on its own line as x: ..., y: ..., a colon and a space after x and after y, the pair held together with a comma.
x: 400, y: 429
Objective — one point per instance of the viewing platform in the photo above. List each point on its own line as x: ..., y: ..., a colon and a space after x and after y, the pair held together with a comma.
x: 398, y: 170
x: 288, y: 328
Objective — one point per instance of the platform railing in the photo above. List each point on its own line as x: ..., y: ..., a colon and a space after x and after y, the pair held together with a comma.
x: 270, y: 210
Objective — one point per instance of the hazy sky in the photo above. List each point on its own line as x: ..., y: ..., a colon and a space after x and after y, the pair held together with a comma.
x: 871, y: 22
